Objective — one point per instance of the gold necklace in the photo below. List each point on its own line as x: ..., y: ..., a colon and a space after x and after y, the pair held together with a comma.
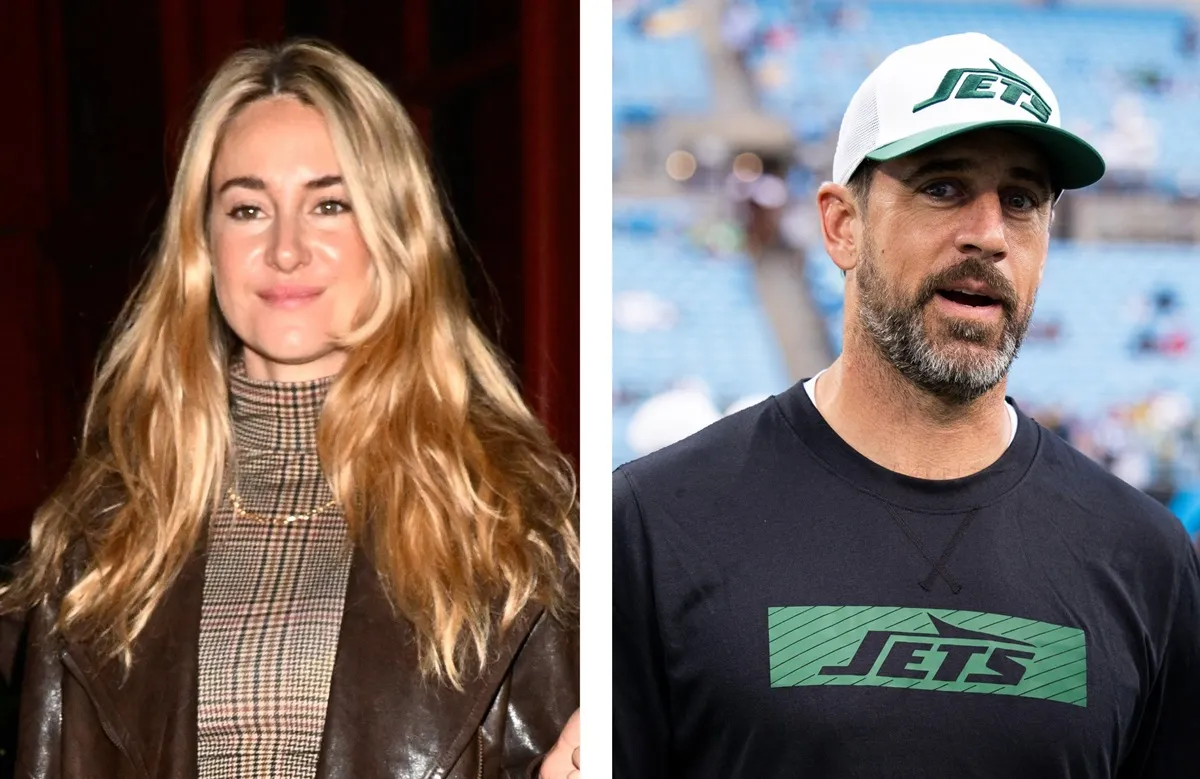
x: 240, y: 510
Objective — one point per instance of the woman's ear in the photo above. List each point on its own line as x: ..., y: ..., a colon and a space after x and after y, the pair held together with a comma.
x: 840, y: 217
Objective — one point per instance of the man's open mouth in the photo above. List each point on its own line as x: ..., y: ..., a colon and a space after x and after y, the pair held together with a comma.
x: 965, y: 298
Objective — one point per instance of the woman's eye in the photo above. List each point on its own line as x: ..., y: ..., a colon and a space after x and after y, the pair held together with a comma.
x: 245, y: 213
x: 332, y: 207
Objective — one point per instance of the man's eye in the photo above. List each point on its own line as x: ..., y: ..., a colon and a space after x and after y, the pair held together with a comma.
x: 941, y: 189
x: 332, y: 207
x: 245, y: 213
x: 1021, y: 201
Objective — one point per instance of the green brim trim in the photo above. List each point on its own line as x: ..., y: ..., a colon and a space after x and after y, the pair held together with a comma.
x: 1073, y: 162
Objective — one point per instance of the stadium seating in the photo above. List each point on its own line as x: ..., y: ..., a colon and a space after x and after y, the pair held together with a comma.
x: 653, y: 75
x: 720, y: 335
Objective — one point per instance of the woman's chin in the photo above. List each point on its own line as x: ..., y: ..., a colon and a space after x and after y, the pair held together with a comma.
x: 293, y: 362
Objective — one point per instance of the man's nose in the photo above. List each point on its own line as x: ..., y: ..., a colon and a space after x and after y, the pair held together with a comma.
x: 982, y: 231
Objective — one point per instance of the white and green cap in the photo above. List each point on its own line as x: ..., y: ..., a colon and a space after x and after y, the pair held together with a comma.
x: 931, y: 91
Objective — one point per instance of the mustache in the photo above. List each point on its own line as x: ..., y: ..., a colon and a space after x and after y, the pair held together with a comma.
x: 974, y: 269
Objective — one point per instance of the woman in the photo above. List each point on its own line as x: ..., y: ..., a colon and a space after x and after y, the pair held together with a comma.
x: 312, y: 530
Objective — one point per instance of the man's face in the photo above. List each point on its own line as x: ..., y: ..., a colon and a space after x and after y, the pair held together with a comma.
x: 953, y: 244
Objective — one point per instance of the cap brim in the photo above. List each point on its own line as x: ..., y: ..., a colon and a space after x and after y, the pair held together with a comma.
x: 1073, y: 162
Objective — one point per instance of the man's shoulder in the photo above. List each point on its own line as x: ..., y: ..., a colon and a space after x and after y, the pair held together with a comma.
x: 707, y: 458
x: 1129, y: 514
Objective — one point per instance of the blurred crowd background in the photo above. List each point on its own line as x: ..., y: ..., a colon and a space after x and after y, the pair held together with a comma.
x: 725, y: 118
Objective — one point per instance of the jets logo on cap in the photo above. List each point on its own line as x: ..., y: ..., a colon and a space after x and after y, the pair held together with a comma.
x: 984, y: 83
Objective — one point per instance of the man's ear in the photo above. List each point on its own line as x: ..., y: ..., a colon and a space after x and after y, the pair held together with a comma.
x: 840, y: 216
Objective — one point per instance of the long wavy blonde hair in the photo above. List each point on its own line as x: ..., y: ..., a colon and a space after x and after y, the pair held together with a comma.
x: 449, y: 483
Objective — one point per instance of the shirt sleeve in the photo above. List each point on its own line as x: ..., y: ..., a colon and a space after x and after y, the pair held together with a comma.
x: 1167, y: 745
x: 641, y: 723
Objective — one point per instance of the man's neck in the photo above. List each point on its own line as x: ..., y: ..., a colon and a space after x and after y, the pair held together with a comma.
x: 891, y: 422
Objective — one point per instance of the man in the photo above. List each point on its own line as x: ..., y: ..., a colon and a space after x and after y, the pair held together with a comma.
x: 889, y: 570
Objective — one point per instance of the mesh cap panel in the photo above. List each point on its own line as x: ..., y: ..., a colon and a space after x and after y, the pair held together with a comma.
x: 859, y: 134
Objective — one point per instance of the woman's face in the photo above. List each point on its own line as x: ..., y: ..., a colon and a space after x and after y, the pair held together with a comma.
x: 289, y: 263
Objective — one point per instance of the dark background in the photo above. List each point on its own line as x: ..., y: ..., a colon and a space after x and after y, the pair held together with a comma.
x: 97, y: 97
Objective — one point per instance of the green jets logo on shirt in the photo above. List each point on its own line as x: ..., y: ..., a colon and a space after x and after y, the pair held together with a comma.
x: 926, y: 649
x: 981, y: 83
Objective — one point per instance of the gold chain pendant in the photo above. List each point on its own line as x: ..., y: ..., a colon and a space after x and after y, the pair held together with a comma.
x: 240, y: 510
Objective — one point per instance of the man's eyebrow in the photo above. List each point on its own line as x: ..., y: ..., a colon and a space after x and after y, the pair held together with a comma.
x: 254, y: 182
x: 1033, y: 177
x: 960, y: 165
x: 936, y: 165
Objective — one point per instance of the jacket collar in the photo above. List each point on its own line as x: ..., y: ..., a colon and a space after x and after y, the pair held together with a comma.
x: 383, y: 717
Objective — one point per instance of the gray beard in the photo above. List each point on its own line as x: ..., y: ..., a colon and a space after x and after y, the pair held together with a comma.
x: 898, y: 331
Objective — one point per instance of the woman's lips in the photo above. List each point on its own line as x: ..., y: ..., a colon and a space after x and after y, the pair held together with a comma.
x: 289, y: 295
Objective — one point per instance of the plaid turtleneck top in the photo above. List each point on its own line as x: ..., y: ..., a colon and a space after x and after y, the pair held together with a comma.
x: 273, y: 593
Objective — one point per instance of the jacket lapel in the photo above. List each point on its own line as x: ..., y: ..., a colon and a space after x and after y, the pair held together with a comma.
x: 384, y: 719
x: 151, y: 714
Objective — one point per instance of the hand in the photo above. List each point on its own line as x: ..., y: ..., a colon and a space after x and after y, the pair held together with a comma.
x: 562, y: 761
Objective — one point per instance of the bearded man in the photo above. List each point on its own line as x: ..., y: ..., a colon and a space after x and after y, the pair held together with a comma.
x: 889, y: 569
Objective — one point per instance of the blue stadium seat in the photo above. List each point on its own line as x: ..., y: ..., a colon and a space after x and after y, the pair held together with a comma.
x: 654, y: 75
x: 721, y: 336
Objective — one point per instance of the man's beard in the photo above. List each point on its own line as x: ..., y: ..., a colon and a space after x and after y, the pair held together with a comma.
x: 964, y: 360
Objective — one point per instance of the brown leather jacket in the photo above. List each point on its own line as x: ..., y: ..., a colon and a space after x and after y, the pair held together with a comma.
x: 79, y: 717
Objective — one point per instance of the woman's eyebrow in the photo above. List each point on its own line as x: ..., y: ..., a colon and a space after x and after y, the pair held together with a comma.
x: 254, y: 182
x: 248, y: 182
x: 324, y: 181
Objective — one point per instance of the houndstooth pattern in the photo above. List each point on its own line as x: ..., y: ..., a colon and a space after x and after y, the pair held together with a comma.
x: 273, y: 594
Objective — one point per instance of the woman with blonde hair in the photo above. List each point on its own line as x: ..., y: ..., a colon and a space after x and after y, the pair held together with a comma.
x: 311, y: 529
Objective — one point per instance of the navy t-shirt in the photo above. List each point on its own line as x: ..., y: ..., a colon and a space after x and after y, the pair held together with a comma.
x: 784, y: 607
